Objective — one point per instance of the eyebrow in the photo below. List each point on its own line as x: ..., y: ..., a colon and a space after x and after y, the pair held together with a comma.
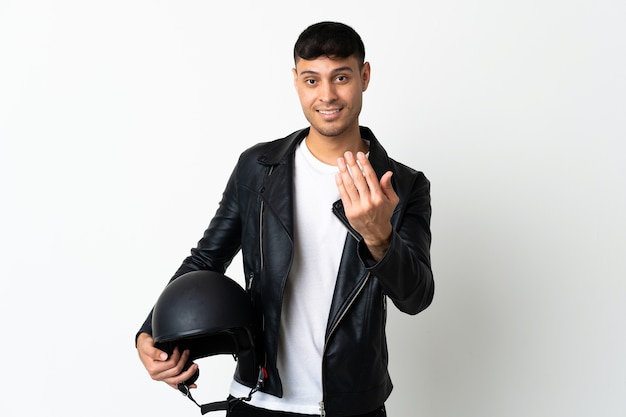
x: 336, y: 70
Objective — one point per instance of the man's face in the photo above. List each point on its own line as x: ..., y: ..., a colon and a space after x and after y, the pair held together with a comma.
x: 331, y: 93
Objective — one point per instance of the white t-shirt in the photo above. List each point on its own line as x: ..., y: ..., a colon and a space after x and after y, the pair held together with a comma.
x: 319, y: 240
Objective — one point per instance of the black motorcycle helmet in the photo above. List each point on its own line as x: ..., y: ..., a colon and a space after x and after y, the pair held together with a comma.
x: 209, y: 314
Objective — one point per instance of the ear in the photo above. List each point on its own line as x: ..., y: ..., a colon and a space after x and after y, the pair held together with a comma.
x: 295, y: 76
x: 365, y: 75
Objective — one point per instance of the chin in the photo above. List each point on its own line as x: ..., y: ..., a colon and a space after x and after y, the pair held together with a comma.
x: 330, y: 130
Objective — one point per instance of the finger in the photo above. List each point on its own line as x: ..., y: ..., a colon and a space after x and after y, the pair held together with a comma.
x: 345, y: 183
x: 181, y: 377
x: 356, y: 174
x: 158, y: 354
x: 146, y: 348
x: 343, y: 194
x: 369, y: 175
x: 165, y: 370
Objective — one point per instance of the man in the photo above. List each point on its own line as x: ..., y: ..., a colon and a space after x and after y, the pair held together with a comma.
x: 329, y: 227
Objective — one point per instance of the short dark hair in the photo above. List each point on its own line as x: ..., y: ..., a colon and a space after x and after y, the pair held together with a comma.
x: 331, y: 39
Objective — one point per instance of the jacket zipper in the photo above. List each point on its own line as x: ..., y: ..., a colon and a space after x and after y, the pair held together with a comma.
x: 332, y: 330
x: 271, y: 169
x: 262, y: 260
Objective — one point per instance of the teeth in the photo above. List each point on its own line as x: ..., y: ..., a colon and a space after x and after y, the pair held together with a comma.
x: 328, y: 111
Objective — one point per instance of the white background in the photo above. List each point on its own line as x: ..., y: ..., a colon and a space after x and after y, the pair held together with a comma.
x: 121, y: 120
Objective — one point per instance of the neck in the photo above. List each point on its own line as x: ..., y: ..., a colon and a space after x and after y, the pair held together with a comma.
x: 329, y: 148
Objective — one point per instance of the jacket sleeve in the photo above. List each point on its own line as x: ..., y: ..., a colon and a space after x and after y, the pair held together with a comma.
x: 219, y: 244
x: 405, y: 271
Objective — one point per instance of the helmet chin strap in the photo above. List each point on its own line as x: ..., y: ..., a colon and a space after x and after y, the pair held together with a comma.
x: 228, y: 404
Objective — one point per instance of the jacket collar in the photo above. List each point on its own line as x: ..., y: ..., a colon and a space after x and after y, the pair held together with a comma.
x: 277, y: 152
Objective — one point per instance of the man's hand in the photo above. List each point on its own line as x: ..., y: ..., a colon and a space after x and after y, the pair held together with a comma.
x: 368, y: 203
x: 160, y: 366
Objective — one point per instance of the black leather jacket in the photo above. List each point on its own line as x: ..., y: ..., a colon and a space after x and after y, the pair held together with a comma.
x: 256, y: 216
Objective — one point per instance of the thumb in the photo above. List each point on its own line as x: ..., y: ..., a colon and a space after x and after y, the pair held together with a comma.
x: 145, y: 344
x: 385, y: 184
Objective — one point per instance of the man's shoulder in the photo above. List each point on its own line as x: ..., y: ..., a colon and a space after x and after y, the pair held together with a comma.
x: 273, y: 150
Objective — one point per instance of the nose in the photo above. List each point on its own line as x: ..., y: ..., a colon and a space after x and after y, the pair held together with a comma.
x: 327, y: 92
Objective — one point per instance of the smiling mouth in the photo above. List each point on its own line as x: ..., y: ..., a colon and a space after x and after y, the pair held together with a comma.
x: 329, y: 112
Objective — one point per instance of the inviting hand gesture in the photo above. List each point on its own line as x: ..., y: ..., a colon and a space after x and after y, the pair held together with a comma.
x: 368, y: 203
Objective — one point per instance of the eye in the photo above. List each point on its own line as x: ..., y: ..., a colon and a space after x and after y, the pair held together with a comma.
x: 310, y: 81
x: 341, y: 78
